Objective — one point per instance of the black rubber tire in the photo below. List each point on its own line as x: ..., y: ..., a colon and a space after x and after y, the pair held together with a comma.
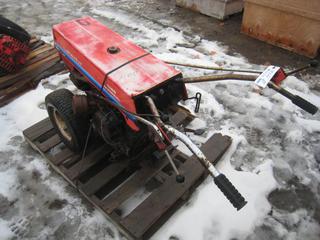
x: 61, y: 102
x: 14, y: 30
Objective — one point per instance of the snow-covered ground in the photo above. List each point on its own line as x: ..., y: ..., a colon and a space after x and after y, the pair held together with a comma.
x: 275, y: 146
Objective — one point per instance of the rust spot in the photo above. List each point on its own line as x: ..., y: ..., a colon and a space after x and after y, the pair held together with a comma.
x: 194, y: 7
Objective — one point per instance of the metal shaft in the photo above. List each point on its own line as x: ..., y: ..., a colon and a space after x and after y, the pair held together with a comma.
x: 312, y: 64
x: 213, y: 78
x: 172, y: 163
x: 155, y: 111
x: 213, y: 68
x: 194, y: 149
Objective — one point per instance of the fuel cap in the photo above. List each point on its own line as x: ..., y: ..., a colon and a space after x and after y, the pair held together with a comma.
x: 113, y: 50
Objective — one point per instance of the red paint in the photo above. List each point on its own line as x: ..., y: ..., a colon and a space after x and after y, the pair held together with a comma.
x: 13, y: 53
x: 279, y: 76
x: 86, y: 40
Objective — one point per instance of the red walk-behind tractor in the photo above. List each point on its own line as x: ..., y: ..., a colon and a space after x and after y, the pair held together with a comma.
x: 127, y: 97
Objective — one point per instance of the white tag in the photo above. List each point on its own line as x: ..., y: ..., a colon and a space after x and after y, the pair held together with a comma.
x: 266, y: 76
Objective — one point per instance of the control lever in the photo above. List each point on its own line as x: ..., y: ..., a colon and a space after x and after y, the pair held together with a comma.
x: 222, y: 182
x: 179, y: 177
x: 295, y: 99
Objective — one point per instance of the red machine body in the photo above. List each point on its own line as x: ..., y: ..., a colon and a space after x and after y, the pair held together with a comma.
x: 121, y: 70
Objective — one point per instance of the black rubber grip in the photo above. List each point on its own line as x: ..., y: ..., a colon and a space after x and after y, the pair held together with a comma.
x: 304, y: 104
x: 230, y: 191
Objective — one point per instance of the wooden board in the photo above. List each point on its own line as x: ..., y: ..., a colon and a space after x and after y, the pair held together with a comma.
x: 292, y: 24
x: 109, y: 185
x: 42, y: 62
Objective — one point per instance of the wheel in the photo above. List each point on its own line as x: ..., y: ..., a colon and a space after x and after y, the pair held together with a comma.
x: 72, y: 129
x: 14, y: 30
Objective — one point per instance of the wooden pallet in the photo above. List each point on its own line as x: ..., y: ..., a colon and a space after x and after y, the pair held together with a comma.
x: 43, y: 61
x: 110, y: 185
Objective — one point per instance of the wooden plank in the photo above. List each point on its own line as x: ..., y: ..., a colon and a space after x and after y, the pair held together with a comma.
x: 28, y: 73
x: 38, y: 129
x: 33, y: 40
x: 49, y: 143
x: 91, y: 159
x: 41, y: 56
x: 139, y: 179
x: 61, y: 156
x: 149, y: 211
x: 21, y: 87
x: 103, y: 177
x: 12, y: 78
x: 178, y: 118
x: 39, y: 50
x: 36, y: 44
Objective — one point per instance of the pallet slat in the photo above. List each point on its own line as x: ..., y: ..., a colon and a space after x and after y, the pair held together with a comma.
x: 60, y: 157
x: 38, y: 129
x: 103, y: 177
x: 139, y: 179
x: 141, y: 218
x: 80, y: 167
x: 49, y: 143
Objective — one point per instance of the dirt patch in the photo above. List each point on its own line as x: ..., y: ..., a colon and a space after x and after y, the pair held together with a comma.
x: 57, y: 204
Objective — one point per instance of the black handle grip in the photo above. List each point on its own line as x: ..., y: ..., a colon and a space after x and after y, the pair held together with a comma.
x: 304, y: 104
x: 230, y: 191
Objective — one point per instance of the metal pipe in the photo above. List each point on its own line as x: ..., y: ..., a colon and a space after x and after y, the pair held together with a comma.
x: 194, y: 149
x: 172, y: 163
x: 312, y: 64
x: 153, y: 126
x: 154, y: 110
x: 213, y: 68
x: 212, y: 78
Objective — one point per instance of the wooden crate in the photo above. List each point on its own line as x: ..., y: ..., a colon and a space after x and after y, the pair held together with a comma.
x: 220, y: 9
x: 109, y: 184
x: 290, y: 24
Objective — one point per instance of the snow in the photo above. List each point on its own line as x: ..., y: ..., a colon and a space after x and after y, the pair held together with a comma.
x: 5, y: 230
x: 274, y: 142
x: 209, y: 216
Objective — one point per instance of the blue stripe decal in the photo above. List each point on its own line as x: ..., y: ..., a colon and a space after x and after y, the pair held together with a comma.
x: 84, y: 72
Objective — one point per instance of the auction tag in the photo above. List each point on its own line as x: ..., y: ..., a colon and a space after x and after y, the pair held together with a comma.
x: 266, y: 76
